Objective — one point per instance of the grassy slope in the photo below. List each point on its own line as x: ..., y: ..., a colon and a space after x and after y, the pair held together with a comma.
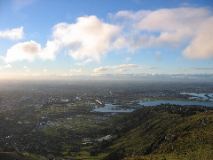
x: 11, y: 156
x: 166, y: 134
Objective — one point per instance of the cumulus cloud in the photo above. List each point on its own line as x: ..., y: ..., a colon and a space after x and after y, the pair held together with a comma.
x: 169, y: 27
x: 202, y: 45
x: 50, y: 50
x: 12, y: 34
x: 23, y: 51
x: 90, y: 38
x: 87, y: 39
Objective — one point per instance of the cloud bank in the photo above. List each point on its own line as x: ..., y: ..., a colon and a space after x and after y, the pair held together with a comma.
x: 90, y: 38
x: 23, y: 51
x: 86, y: 40
x: 169, y: 27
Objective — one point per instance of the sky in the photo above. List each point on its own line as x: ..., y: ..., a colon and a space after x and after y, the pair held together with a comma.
x: 69, y: 38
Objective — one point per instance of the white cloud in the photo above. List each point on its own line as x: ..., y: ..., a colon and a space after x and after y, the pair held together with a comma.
x: 173, y: 25
x: 122, y: 68
x: 90, y: 38
x: 172, y: 19
x: 6, y: 66
x: 201, y: 46
x: 76, y: 71
x: 23, y: 51
x: 126, y: 67
x: 50, y: 51
x: 168, y: 27
x: 26, y: 69
x: 12, y: 34
x: 87, y: 39
x: 101, y: 69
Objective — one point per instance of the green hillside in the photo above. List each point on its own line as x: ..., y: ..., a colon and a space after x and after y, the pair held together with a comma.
x: 164, y: 133
x: 151, y: 133
x: 12, y: 156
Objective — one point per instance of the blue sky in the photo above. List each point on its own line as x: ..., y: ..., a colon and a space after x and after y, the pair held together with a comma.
x: 93, y: 37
